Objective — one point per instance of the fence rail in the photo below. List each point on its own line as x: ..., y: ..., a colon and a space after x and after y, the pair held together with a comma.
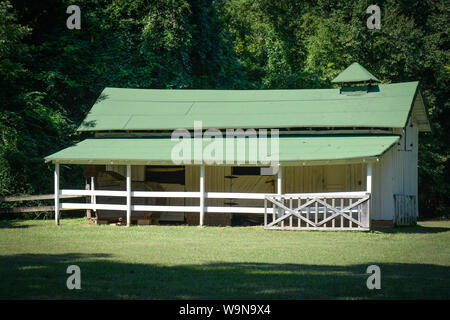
x: 31, y: 198
x: 78, y: 193
x: 163, y: 194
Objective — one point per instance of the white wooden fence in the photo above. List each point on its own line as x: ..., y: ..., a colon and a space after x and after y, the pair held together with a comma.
x: 332, y: 211
x: 160, y: 194
x: 318, y: 211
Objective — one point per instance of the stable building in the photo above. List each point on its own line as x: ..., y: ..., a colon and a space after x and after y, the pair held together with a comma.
x: 346, y: 158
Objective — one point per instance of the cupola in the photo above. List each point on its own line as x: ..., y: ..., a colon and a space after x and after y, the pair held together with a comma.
x: 356, y: 80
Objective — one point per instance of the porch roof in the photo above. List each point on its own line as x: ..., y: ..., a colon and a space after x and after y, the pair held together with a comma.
x: 292, y: 150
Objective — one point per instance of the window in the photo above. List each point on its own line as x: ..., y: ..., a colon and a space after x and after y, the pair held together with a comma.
x: 253, y: 171
x: 246, y: 171
x: 165, y: 174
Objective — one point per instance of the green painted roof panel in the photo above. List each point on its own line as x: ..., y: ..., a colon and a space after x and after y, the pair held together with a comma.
x: 152, y: 109
x: 304, y: 148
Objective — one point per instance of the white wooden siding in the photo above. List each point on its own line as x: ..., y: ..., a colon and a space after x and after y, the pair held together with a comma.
x: 396, y: 173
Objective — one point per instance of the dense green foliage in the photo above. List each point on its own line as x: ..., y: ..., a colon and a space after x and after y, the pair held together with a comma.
x: 50, y: 75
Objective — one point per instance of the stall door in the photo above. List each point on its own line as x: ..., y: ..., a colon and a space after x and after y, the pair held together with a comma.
x: 250, y: 182
x: 335, y: 178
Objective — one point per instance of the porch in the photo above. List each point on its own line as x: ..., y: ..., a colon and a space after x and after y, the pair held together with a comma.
x: 318, y: 182
x: 279, y: 209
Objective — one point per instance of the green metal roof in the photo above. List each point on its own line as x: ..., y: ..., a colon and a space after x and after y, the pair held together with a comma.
x: 355, y: 73
x: 159, y: 150
x: 386, y: 105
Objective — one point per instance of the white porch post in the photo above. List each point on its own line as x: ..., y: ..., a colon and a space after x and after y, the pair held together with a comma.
x: 369, y: 178
x: 279, y: 180
x: 57, y: 193
x: 93, y: 200
x: 202, y: 195
x: 128, y: 195
x: 279, y: 190
x: 369, y: 190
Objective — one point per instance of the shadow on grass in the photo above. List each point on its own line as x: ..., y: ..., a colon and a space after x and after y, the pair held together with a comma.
x: 414, y: 229
x: 12, y: 224
x: 42, y: 276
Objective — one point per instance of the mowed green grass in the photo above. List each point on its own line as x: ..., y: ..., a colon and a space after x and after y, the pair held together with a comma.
x: 188, y: 262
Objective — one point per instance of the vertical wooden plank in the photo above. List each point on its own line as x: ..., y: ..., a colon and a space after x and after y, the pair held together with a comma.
x: 128, y: 183
x: 407, y: 210
x: 363, y: 214
x: 93, y: 198
x: 333, y: 205
x: 88, y: 200
x: 290, y: 207
x: 289, y: 180
x: 273, y: 212
x: 350, y: 223
x: 265, y: 212
x: 299, y: 180
x: 299, y: 203
x: 279, y: 192
x: 307, y: 183
x: 359, y: 215
x: 307, y: 214
x: 316, y: 212
x: 348, y: 178
x: 202, y: 195
x: 192, y: 184
x: 57, y: 193
x: 410, y: 221
x: 401, y: 210
x: 342, y: 218
x: 410, y: 198
x: 395, y: 209
x: 404, y: 210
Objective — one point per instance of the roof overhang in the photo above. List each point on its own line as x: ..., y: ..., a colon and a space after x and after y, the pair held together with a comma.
x: 291, y: 151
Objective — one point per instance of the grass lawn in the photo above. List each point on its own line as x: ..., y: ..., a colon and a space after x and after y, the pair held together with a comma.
x: 186, y: 262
